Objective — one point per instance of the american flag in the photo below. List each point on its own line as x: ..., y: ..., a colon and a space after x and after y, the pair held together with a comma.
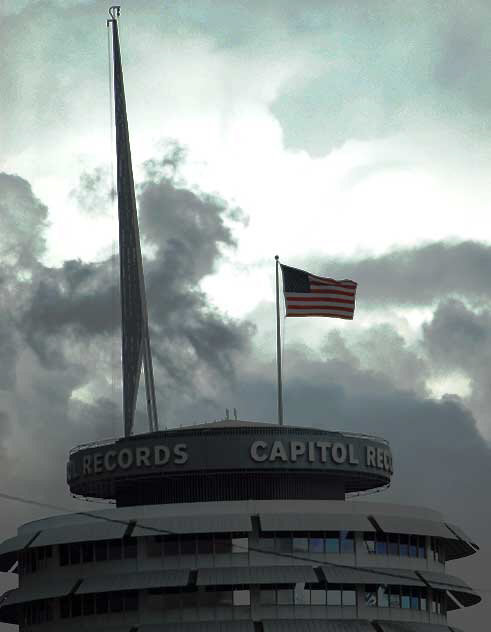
x: 310, y: 295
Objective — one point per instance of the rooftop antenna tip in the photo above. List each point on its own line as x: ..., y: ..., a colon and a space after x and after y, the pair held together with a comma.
x: 115, y: 11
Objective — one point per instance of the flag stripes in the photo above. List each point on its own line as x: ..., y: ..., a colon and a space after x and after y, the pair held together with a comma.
x: 310, y: 295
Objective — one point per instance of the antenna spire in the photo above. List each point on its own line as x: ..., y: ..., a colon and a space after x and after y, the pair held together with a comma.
x: 134, y: 317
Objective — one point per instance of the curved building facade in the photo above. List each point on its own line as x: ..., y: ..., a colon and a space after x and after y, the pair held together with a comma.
x: 236, y: 526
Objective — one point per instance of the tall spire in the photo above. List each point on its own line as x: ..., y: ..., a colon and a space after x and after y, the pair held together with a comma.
x: 134, y: 318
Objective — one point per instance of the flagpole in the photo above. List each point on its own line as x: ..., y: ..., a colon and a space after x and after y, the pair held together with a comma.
x: 278, y: 344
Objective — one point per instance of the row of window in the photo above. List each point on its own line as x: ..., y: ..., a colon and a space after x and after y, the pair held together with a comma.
x: 345, y: 595
x: 37, y: 612
x: 202, y: 597
x: 404, y: 597
x: 216, y: 544
x: 201, y: 544
x: 308, y: 542
x: 100, y: 603
x: 34, y: 559
x: 98, y: 551
x: 339, y: 595
x: 309, y: 595
x: 404, y: 546
x: 177, y: 599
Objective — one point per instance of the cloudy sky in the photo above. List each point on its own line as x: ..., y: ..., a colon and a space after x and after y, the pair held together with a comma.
x: 351, y: 137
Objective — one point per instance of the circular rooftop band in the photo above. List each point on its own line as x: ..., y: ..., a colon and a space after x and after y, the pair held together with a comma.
x: 230, y: 461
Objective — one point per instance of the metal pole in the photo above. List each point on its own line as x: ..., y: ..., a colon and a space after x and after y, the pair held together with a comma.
x: 278, y: 345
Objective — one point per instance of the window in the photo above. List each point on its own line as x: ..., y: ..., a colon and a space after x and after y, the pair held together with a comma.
x: 266, y: 542
x: 302, y: 595
x: 347, y: 541
x: 116, y: 602
x: 130, y: 598
x: 242, y: 598
x: 223, y: 544
x: 172, y: 601
x: 283, y: 542
x: 371, y: 596
x: 33, y: 561
x: 153, y: 546
x: 394, y: 597
x: 381, y: 544
x: 267, y: 597
x: 241, y: 545
x: 393, y: 544
x: 130, y: 548
x: 383, y: 596
x: 87, y: 552
x: 316, y: 544
x: 404, y: 545
x: 75, y: 553
x: 188, y: 545
x: 333, y: 595
x: 301, y: 544
x: 441, y: 553
x: 406, y: 598
x: 318, y: 596
x: 206, y: 598
x: 171, y: 546
x: 369, y: 539
x: 415, y: 599
x: 285, y: 596
x: 189, y: 598
x: 65, y: 607
x: 76, y: 604
x: 413, y: 546
x: 115, y: 549
x: 205, y: 544
x: 422, y: 547
x: 435, y: 550
x: 88, y: 605
x: 331, y: 542
x: 349, y: 596
x: 101, y: 551
x: 64, y: 556
x: 101, y: 603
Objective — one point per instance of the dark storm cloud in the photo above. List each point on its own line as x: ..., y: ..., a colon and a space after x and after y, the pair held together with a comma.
x: 187, y: 230
x: 78, y: 300
x: 22, y: 222
x: 187, y: 227
x: 458, y: 336
x: 459, y: 339
x: 417, y: 276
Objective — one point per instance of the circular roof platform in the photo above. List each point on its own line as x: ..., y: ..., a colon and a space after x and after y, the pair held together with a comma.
x: 229, y: 460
